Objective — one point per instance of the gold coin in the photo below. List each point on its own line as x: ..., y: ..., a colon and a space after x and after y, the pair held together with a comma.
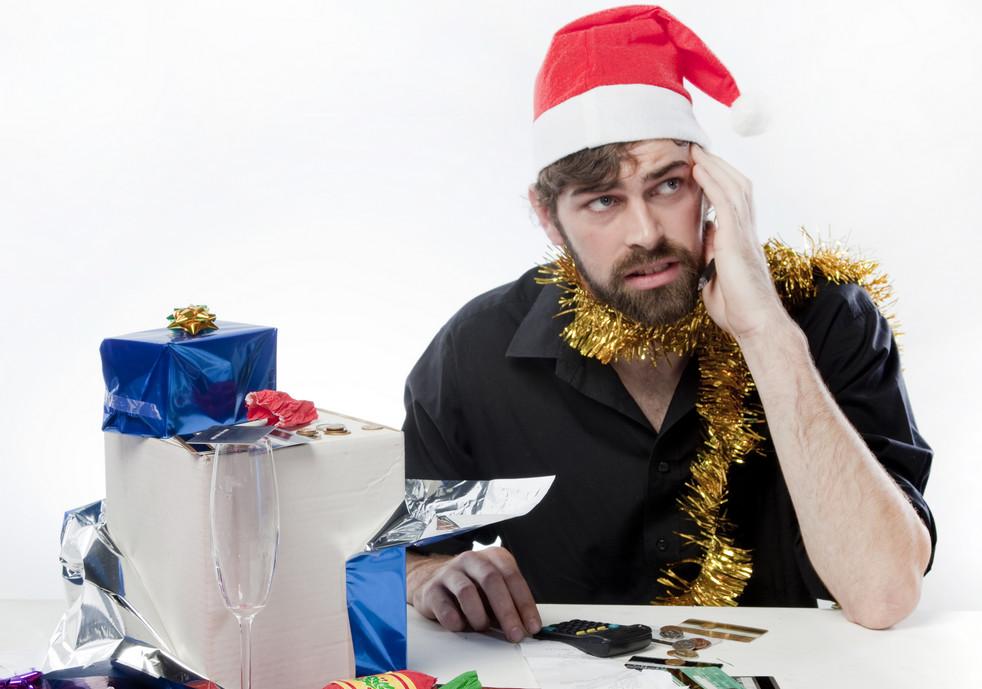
x: 670, y: 632
x: 309, y: 433
x: 699, y: 643
x: 681, y: 653
x: 333, y: 429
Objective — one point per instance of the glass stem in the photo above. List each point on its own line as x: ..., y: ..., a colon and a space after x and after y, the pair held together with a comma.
x: 245, y: 655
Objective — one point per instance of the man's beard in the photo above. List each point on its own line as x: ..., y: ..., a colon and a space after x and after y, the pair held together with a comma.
x: 651, y: 307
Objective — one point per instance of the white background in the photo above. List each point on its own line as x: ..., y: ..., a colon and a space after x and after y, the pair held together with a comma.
x: 352, y: 176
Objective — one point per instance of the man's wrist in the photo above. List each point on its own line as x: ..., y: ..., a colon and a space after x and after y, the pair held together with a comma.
x: 780, y: 332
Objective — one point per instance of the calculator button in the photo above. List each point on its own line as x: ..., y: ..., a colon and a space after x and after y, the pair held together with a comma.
x: 580, y: 633
x: 613, y: 626
x: 591, y: 630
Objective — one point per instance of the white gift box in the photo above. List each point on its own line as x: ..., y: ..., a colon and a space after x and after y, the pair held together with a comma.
x: 335, y: 492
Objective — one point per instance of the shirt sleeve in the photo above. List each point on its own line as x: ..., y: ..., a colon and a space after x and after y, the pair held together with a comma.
x: 435, y: 435
x: 856, y: 354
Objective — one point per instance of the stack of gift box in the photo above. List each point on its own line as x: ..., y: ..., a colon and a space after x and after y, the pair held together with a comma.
x: 335, y: 490
x: 139, y: 568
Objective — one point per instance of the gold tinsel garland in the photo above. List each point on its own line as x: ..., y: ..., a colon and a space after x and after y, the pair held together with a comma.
x: 725, y: 385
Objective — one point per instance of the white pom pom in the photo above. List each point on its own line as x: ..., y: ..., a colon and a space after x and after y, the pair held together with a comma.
x: 749, y: 116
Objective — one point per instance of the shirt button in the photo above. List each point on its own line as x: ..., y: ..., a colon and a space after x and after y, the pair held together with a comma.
x: 661, y: 544
x: 663, y: 467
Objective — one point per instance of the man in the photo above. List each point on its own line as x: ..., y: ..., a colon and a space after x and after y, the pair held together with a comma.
x: 639, y: 396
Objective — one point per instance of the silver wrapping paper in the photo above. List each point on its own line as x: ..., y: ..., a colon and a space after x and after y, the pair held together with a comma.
x: 434, y: 510
x: 110, y: 616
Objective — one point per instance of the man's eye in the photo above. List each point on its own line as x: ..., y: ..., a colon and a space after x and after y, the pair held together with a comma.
x: 601, y: 203
x: 669, y: 186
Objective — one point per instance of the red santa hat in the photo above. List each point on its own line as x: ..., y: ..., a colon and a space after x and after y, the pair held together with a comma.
x: 616, y: 75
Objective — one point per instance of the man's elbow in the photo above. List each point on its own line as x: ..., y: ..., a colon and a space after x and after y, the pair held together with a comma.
x: 889, y: 605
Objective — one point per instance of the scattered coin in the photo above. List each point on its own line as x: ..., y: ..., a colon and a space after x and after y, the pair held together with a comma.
x: 309, y: 433
x: 333, y: 429
x: 684, y: 645
x: 670, y: 632
x: 674, y: 661
x: 699, y: 643
x: 679, y: 653
x: 372, y: 427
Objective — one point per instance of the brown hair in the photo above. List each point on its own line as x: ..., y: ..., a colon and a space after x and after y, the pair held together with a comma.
x: 586, y: 168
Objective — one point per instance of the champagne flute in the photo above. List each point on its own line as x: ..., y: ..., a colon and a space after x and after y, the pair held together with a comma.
x: 245, y: 532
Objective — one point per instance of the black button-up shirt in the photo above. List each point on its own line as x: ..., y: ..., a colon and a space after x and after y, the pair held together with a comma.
x: 498, y: 394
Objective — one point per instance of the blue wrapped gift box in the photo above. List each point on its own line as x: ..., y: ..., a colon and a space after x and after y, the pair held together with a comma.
x: 164, y: 382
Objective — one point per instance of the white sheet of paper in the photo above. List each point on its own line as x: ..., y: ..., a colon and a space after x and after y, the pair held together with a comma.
x: 556, y: 665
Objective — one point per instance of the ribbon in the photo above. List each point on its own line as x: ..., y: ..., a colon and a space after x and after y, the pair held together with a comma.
x: 192, y: 319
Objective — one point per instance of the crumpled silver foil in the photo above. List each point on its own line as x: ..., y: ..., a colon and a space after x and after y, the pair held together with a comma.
x: 435, y: 509
x: 111, y: 618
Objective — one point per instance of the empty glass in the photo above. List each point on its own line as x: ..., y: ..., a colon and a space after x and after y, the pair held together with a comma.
x: 245, y: 531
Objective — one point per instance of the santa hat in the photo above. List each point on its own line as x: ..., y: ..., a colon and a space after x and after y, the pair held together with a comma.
x: 616, y: 75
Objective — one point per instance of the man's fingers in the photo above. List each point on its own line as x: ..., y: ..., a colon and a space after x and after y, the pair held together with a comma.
x: 439, y: 604
x: 485, y: 572
x: 465, y: 590
x: 737, y: 176
x: 723, y: 169
x: 709, y: 243
x: 733, y: 188
x: 717, y: 195
x: 472, y: 587
x: 519, y: 589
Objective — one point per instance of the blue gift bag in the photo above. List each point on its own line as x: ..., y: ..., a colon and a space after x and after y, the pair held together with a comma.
x: 164, y: 382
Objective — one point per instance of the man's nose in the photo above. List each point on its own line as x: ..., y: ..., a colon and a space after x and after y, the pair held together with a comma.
x: 645, y: 228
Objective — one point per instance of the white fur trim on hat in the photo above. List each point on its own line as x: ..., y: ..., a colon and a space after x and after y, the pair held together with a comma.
x: 611, y: 114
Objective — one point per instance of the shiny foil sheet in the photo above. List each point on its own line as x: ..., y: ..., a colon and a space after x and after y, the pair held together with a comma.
x: 109, y: 617
x: 434, y: 510
x: 111, y: 620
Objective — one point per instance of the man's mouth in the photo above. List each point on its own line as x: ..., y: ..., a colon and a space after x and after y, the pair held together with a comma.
x: 652, y: 275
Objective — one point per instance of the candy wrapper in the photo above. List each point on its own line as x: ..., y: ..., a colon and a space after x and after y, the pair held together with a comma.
x: 27, y: 680
x: 112, y: 615
x: 405, y: 679
x: 166, y: 382
x: 279, y: 409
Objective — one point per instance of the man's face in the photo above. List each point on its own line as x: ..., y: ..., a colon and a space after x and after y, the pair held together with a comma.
x: 638, y: 244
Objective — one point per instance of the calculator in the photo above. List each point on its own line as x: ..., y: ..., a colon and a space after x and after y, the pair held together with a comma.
x: 601, y: 639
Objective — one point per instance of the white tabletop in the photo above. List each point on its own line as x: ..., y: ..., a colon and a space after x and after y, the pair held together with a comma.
x: 803, y: 648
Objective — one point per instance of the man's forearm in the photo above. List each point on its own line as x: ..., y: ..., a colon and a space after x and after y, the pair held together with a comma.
x: 862, y: 536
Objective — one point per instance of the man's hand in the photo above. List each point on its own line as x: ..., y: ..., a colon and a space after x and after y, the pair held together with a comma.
x: 741, y: 299
x: 476, y: 589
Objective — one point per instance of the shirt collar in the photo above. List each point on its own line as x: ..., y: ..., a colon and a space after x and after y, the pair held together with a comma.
x: 538, y: 335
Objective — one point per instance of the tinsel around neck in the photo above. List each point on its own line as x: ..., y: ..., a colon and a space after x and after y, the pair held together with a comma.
x: 732, y: 425
x: 602, y: 332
